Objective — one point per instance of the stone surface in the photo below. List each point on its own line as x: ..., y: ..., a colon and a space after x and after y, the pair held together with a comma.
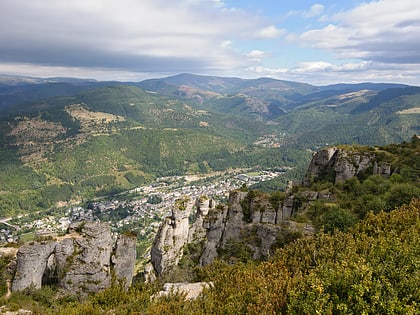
x: 215, y: 225
x: 167, y: 248
x: 31, y: 264
x: 191, y: 290
x: 87, y: 268
x: 339, y: 165
x: 220, y: 226
x: 124, y: 258
x: 79, y: 263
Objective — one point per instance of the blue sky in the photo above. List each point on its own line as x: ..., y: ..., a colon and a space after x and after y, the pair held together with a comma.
x: 318, y: 42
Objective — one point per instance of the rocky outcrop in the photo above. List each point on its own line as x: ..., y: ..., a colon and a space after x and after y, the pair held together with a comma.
x: 81, y: 262
x: 31, y: 264
x: 321, y: 162
x: 338, y: 165
x: 84, y: 263
x: 214, y: 224
x: 383, y: 169
x: 171, y: 237
x: 124, y: 258
x: 248, y: 219
x: 186, y: 224
x: 250, y: 222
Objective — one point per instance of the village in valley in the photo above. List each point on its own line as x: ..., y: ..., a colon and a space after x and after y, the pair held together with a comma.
x: 139, y: 210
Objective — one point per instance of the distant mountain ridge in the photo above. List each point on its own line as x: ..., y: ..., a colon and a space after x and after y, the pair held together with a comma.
x: 60, y: 141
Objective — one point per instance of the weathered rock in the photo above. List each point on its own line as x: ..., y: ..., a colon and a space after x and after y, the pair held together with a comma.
x: 31, y: 264
x: 234, y: 218
x: 349, y: 165
x: 172, y: 235
x: 191, y: 290
x: 4, y: 310
x: 124, y: 258
x: 263, y: 211
x: 149, y: 274
x: 319, y: 164
x: 79, y: 263
x: 337, y: 165
x: 263, y: 236
x: 287, y: 210
x: 383, y: 169
x: 197, y: 231
x: 87, y: 267
x: 252, y: 220
x: 215, y: 225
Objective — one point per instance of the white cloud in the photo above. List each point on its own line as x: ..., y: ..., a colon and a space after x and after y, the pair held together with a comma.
x: 321, y: 72
x: 385, y: 31
x: 314, y: 10
x: 269, y: 32
x: 256, y: 54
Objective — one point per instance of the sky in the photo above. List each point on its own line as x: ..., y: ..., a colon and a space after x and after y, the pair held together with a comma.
x: 317, y: 42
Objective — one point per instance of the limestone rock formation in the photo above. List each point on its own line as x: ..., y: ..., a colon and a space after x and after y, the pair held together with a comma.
x: 31, y: 264
x: 124, y: 258
x: 171, y: 237
x: 246, y: 219
x: 214, y: 225
x: 80, y: 263
x: 176, y: 231
x: 251, y: 222
x: 338, y: 165
x: 83, y: 263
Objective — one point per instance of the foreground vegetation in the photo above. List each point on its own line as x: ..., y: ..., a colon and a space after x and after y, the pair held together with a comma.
x: 371, y: 269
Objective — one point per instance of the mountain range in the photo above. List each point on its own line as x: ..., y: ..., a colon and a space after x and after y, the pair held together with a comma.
x: 64, y: 139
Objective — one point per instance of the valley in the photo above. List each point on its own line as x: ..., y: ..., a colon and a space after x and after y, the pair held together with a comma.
x: 139, y: 210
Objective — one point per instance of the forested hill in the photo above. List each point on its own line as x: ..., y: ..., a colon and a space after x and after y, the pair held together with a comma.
x: 67, y: 140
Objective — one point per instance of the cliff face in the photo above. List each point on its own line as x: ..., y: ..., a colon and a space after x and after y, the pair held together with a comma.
x: 80, y: 263
x: 250, y: 222
x: 171, y: 237
x: 338, y: 165
x: 247, y: 220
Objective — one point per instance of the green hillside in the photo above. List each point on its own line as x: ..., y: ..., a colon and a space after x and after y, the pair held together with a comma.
x: 109, y: 137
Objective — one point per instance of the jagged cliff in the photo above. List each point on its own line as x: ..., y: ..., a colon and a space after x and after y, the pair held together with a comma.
x: 247, y: 220
x: 338, y: 165
x: 82, y: 261
x: 251, y: 222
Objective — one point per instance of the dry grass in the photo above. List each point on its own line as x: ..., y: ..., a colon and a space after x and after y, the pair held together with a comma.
x: 92, y: 120
x: 415, y: 110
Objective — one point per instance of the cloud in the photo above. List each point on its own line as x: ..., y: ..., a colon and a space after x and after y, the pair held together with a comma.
x: 314, y: 10
x: 126, y: 35
x: 256, y: 54
x: 384, y: 31
x: 321, y: 72
x: 269, y: 32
